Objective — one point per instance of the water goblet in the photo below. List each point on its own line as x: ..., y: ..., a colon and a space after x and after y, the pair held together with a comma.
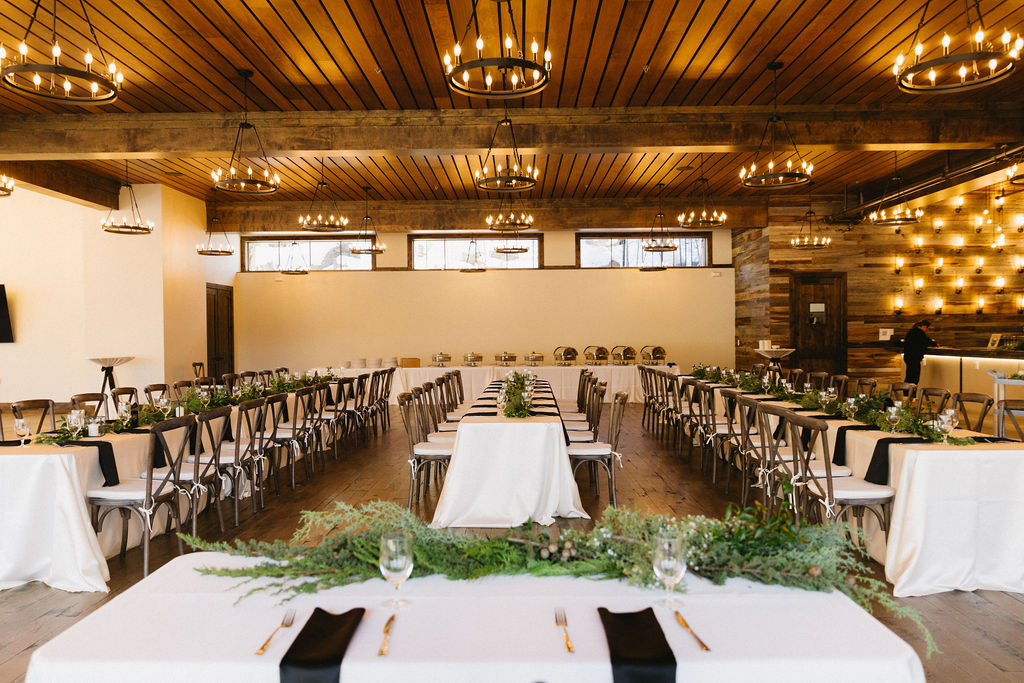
x: 897, y: 404
x: 124, y: 412
x: 950, y: 421
x: 21, y: 428
x: 892, y: 416
x: 204, y: 397
x: 832, y: 393
x: 396, y: 562
x: 164, y: 405
x: 75, y: 422
x: 807, y: 387
x: 850, y: 407
x: 669, y: 561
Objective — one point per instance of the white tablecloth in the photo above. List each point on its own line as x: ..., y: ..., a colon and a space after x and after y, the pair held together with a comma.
x: 505, y: 471
x: 177, y: 625
x: 46, y: 533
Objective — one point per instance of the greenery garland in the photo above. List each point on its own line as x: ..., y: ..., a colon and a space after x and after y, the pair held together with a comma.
x: 341, y: 546
x: 513, y: 394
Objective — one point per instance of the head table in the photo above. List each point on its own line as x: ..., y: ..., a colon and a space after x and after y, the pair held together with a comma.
x: 178, y: 625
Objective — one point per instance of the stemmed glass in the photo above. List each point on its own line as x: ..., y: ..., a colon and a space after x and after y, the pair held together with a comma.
x: 947, y: 423
x: 124, y: 412
x: 22, y: 430
x: 204, y: 398
x: 76, y: 422
x: 807, y: 387
x: 164, y: 404
x: 669, y: 562
x: 892, y: 416
x: 396, y: 562
x: 850, y: 408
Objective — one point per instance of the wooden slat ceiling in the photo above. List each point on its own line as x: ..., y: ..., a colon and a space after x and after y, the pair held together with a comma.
x: 339, y: 55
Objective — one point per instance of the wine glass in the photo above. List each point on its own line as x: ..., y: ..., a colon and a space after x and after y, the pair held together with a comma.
x: 947, y: 423
x: 204, y: 398
x: 897, y: 404
x: 892, y: 416
x: 807, y: 387
x: 124, y: 412
x: 850, y: 408
x: 669, y: 562
x: 396, y: 562
x: 832, y: 393
x: 22, y: 430
x: 76, y: 422
x: 164, y: 404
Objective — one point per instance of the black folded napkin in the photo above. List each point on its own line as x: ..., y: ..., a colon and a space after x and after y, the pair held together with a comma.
x: 316, y: 653
x: 16, y: 442
x: 543, y: 413
x: 136, y: 430
x: 878, y: 469
x: 639, y: 651
x: 992, y: 439
x: 482, y: 413
x: 806, y: 410
x: 107, y: 463
x: 839, y: 453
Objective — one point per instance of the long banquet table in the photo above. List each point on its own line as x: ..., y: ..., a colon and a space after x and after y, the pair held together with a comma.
x: 179, y: 625
x: 505, y: 471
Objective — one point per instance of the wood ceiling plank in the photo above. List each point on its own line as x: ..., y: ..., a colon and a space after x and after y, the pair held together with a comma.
x: 661, y: 17
x: 369, y: 67
x: 559, y: 23
x: 621, y: 42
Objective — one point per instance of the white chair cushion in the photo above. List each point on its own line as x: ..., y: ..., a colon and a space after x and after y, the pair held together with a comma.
x: 854, y: 489
x: 432, y: 448
x: 590, y: 449
x: 128, y: 490
x: 818, y: 470
x: 576, y: 426
x: 438, y: 437
x: 186, y: 474
x: 448, y: 427
x: 581, y: 436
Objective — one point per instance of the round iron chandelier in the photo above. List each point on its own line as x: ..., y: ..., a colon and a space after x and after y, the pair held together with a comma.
x: 295, y: 265
x: 368, y: 231
x: 512, y: 215
x: 55, y: 81
x: 982, y: 62
x: 811, y: 235
x: 658, y: 240
x: 264, y: 180
x: 315, y: 220
x: 510, y: 74
x: 474, y: 260
x: 508, y: 174
x: 772, y: 178
x: 706, y: 215
x: 899, y: 214
x: 210, y: 248
x: 131, y: 223
x: 6, y: 186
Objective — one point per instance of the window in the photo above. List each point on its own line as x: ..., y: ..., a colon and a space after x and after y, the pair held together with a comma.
x: 452, y: 253
x: 316, y: 254
x: 626, y: 251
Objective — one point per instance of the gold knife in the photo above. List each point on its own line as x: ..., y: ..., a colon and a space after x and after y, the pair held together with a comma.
x: 383, y: 651
x: 682, y: 622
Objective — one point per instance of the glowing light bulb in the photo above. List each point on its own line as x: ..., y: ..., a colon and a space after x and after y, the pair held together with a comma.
x: 979, y: 37
x: 67, y: 87
x: 547, y: 54
x: 508, y: 43
x: 1006, y: 38
x: 88, y: 60
x: 457, y: 50
x: 94, y: 87
x: 36, y: 80
x: 945, y: 41
x: 23, y: 49
x: 534, y: 47
x: 536, y: 75
x: 447, y: 59
x: 488, y: 81
x: 465, y: 77
x: 55, y: 51
x: 112, y: 68
x: 918, y: 49
x: 931, y: 76
x: 479, y: 44
x: 515, y: 81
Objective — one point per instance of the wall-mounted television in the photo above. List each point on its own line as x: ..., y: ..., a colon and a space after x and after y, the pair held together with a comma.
x: 6, y: 333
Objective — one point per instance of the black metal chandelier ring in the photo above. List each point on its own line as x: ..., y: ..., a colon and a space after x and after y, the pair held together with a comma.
x: 507, y: 181
x: 776, y: 179
x: 74, y: 76
x: 905, y: 80
x: 503, y: 64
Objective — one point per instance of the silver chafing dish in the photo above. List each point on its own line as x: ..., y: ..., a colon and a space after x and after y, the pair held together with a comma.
x: 623, y: 355
x: 565, y: 355
x: 595, y: 355
x: 534, y: 358
x: 473, y: 359
x: 652, y: 355
x: 505, y: 358
x: 442, y: 359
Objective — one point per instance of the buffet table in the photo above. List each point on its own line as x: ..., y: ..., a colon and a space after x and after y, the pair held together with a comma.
x: 178, y: 625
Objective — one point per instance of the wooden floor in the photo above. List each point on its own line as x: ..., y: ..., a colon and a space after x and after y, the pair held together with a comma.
x: 981, y: 634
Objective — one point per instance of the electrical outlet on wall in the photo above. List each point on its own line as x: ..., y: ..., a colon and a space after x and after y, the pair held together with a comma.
x: 885, y: 333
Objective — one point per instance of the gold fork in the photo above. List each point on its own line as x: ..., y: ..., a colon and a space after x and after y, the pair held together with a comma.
x: 289, y: 619
x: 561, y: 621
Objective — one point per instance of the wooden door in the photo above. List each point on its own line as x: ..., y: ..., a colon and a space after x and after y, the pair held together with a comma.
x: 818, y: 321
x: 220, y: 329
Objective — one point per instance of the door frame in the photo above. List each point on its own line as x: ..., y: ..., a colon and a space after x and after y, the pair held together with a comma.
x: 795, y: 276
x: 210, y: 336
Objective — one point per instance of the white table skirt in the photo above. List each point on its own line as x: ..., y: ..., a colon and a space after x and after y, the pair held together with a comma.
x: 505, y: 471
x: 178, y: 625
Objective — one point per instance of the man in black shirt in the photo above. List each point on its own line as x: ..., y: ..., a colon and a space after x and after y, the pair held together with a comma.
x: 915, y: 344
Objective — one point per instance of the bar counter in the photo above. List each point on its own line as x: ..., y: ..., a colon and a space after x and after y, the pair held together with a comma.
x: 968, y: 370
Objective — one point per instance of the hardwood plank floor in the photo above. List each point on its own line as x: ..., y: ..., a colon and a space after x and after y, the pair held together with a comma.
x: 981, y: 634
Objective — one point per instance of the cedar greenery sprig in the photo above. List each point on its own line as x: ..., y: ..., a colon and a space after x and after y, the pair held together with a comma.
x: 340, y: 547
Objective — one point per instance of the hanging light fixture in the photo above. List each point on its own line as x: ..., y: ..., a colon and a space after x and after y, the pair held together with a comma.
x: 54, y: 81
x: 511, y: 216
x: 982, y: 63
x: 652, y: 267
x: 368, y: 231
x: 295, y: 265
x: 814, y: 236
x: 706, y: 215
x: 320, y: 223
x: 658, y: 239
x: 1015, y: 171
x: 772, y: 178
x: 6, y: 186
x: 506, y: 174
x: 900, y: 213
x: 264, y: 179
x: 513, y: 246
x: 132, y: 224
x: 474, y: 260
x: 510, y: 75
x: 211, y: 249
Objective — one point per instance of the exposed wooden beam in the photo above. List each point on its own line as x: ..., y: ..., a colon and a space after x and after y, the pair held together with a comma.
x: 67, y: 180
x: 958, y: 125
x: 553, y: 214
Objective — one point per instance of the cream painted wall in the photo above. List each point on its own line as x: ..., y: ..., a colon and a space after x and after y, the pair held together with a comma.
x: 397, y: 253
x: 220, y: 270
x: 325, y: 318
x: 183, y: 221
x: 560, y: 248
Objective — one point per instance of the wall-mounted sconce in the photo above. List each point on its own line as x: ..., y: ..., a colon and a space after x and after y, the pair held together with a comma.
x: 937, y: 225
x: 958, y: 244
x: 938, y: 265
x: 1000, y: 199
x: 1000, y: 285
x: 1020, y: 265
x: 1020, y: 305
x: 979, y: 264
x: 958, y: 203
x: 1020, y: 222
x: 938, y: 307
x: 897, y: 264
x: 978, y: 223
x: 959, y: 285
x: 918, y: 244
x: 999, y: 243
x: 981, y: 305
x: 918, y: 285
x: 897, y: 305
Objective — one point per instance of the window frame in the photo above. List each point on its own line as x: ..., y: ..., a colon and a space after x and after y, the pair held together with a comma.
x: 244, y: 241
x: 706, y: 235
x: 490, y: 235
